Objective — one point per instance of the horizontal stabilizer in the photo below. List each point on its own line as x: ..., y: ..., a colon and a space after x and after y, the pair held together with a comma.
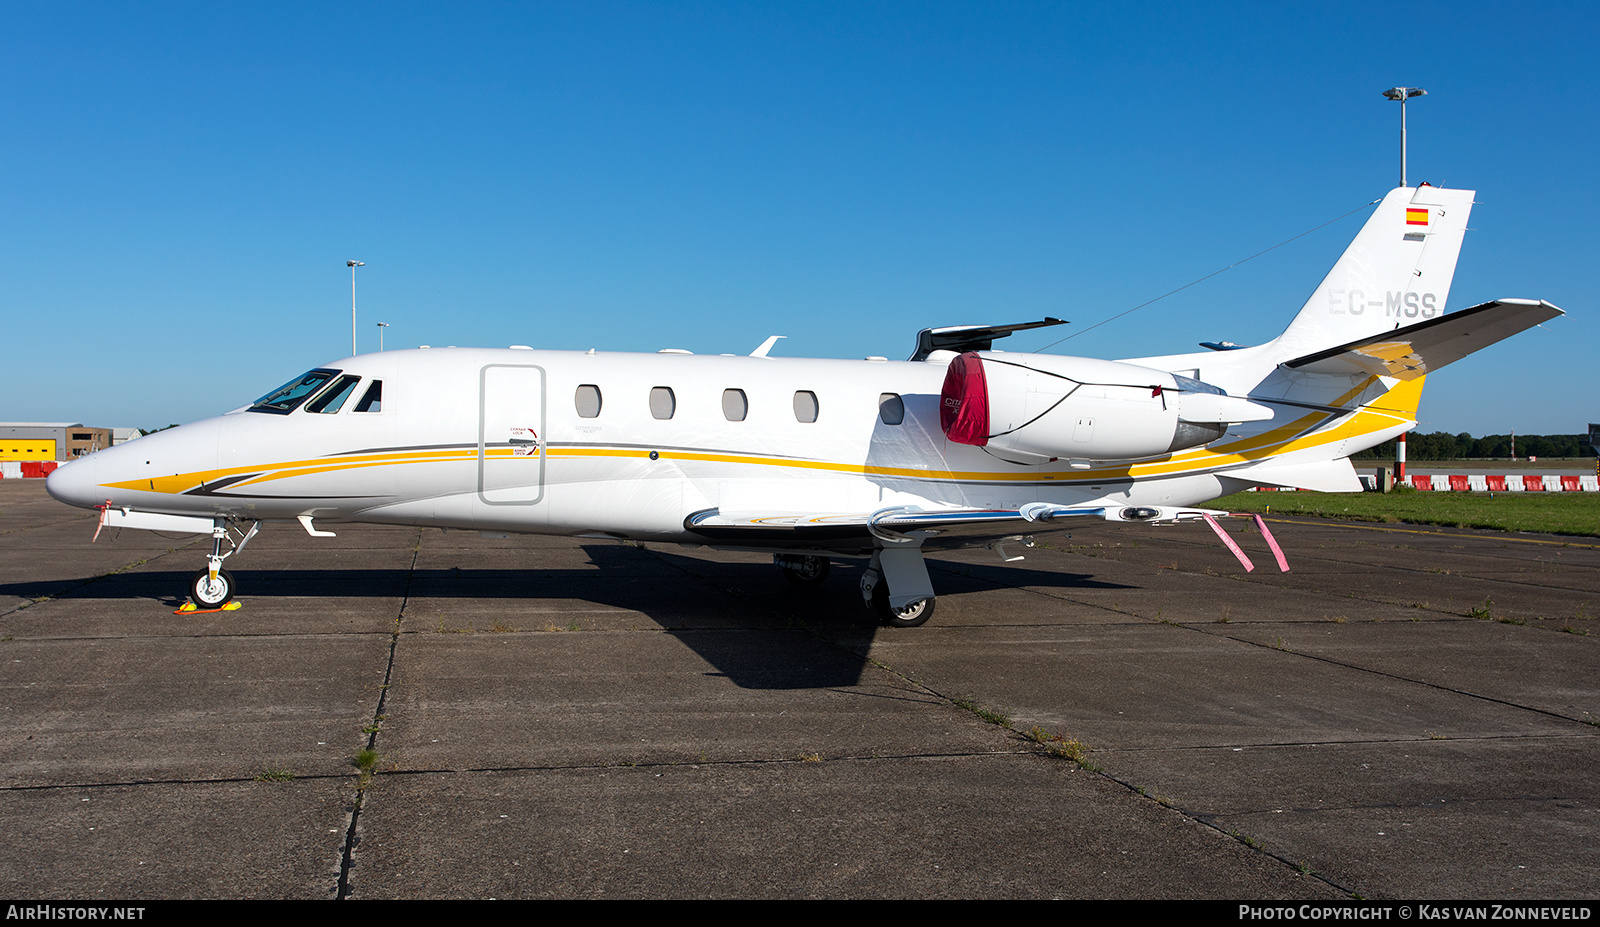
x: 962, y: 338
x: 1416, y: 350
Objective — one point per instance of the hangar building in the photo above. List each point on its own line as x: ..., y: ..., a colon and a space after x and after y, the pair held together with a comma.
x: 58, y: 441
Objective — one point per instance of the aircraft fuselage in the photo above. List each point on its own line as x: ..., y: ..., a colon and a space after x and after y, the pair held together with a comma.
x: 621, y: 445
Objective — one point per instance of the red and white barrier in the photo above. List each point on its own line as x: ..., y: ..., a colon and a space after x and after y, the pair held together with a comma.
x: 1485, y: 482
x: 26, y: 469
x: 1515, y: 482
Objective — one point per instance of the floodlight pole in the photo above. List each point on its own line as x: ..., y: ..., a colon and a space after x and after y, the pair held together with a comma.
x: 353, y: 265
x: 1403, y: 94
x: 381, y: 327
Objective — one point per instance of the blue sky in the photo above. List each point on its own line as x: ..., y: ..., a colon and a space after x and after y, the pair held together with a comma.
x: 183, y: 183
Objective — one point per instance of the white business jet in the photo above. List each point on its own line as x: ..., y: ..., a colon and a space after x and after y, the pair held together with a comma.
x: 813, y: 460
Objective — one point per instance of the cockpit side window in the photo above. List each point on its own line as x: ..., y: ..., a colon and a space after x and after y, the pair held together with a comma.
x: 287, y: 398
x: 372, y: 400
x: 332, y: 399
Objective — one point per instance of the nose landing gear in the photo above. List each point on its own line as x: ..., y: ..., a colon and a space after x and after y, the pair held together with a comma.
x: 213, y: 587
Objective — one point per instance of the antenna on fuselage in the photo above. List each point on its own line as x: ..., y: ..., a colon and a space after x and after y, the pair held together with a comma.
x: 766, y: 346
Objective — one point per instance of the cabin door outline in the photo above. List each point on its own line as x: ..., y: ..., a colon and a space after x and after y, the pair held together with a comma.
x: 511, y: 434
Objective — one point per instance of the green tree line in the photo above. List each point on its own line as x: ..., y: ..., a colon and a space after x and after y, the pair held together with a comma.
x: 1444, y: 446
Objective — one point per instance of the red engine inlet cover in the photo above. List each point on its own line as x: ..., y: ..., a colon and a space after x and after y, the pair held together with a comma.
x: 964, y: 401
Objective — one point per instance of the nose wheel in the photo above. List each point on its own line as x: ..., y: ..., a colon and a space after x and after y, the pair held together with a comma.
x: 208, y: 592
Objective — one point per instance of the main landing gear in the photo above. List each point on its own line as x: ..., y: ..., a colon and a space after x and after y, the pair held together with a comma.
x: 897, y: 587
x: 901, y: 569
x: 804, y: 571
x: 213, y: 587
x: 911, y: 615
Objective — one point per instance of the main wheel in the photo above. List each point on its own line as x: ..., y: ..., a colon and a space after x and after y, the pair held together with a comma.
x: 209, y: 593
x: 804, y: 572
x: 907, y: 616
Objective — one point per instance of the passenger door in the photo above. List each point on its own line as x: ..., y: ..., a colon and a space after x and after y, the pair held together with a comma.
x: 511, y: 434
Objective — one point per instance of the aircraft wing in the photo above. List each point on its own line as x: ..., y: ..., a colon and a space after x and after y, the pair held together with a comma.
x: 959, y: 527
x: 1415, y: 350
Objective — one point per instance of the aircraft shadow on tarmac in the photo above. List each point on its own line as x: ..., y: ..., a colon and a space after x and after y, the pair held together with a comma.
x: 698, y: 600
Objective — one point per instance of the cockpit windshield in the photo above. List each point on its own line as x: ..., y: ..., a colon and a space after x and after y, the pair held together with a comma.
x: 287, y: 398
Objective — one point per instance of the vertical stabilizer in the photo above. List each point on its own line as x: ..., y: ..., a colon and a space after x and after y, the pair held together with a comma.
x: 1397, y: 272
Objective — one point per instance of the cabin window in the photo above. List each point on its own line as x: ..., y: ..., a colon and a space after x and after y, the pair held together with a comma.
x: 588, y: 401
x: 805, y: 406
x: 332, y: 399
x: 734, y: 405
x: 287, y: 398
x: 891, y: 408
x: 372, y: 399
x: 662, y: 402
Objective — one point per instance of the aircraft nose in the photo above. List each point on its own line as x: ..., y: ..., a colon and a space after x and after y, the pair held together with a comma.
x: 74, y: 483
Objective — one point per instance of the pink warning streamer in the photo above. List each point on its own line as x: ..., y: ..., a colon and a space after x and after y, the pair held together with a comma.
x: 1283, y: 562
x: 1245, y: 561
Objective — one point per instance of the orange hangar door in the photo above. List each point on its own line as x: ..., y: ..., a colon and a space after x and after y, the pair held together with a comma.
x: 511, y: 434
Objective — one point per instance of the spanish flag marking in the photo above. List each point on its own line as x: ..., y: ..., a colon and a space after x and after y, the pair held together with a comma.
x: 1416, y: 215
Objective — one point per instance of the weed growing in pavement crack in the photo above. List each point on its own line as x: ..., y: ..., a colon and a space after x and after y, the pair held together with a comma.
x: 987, y: 714
x: 1068, y: 748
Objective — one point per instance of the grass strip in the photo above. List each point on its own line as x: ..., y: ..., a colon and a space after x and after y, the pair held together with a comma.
x: 1572, y: 513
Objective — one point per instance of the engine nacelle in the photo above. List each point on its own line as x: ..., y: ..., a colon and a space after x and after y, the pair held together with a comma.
x: 1039, y: 407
